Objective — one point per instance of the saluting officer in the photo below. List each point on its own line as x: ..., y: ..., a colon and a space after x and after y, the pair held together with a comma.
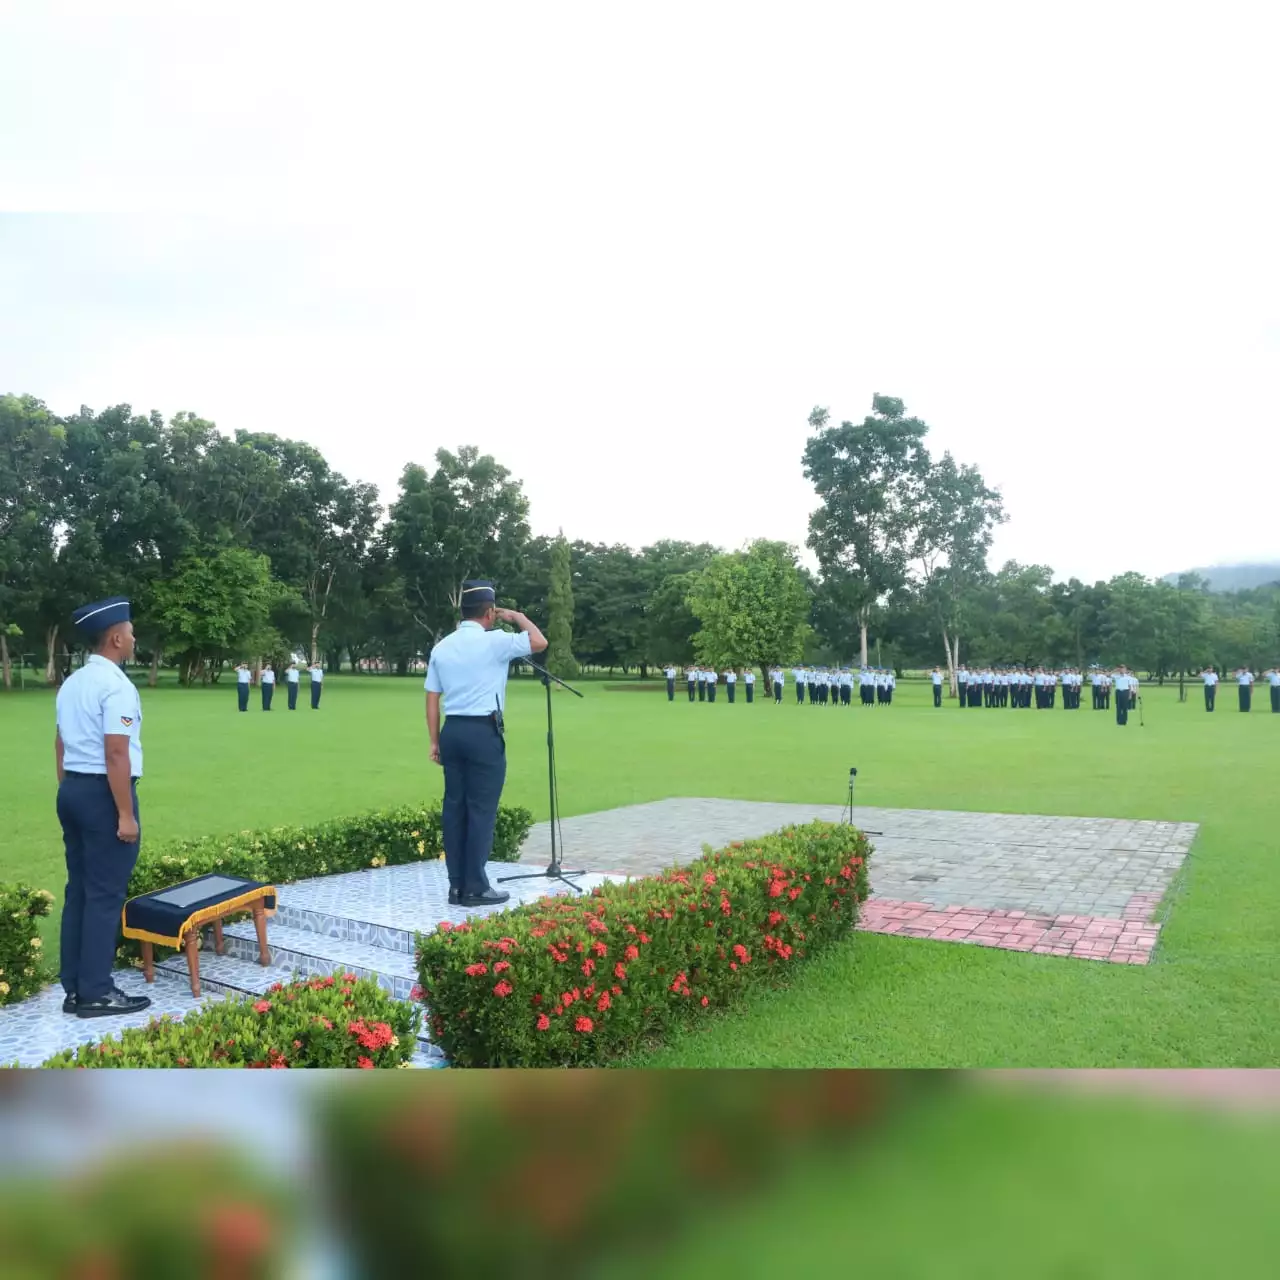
x: 702, y: 684
x: 778, y: 681
x: 243, y: 679
x: 291, y: 679
x: 749, y: 679
x: 1210, y: 678
x: 712, y: 680
x: 691, y: 679
x: 670, y: 672
x: 316, y: 672
x: 98, y: 751
x: 468, y: 669
x: 1123, y: 684
x: 1273, y: 679
x: 799, y: 675
x: 268, y: 686
x: 1244, y: 680
x: 731, y: 683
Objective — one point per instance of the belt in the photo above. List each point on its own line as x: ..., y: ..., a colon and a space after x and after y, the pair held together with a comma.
x: 488, y: 717
x: 73, y: 773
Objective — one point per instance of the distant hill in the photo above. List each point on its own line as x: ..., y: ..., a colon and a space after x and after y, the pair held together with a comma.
x: 1235, y: 577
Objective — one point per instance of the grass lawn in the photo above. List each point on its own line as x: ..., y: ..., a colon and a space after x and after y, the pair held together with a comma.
x: 1209, y: 998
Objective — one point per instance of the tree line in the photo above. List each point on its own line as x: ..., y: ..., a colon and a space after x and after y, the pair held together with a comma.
x: 251, y: 546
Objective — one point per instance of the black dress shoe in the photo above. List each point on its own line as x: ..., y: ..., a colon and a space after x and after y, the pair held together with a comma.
x: 454, y: 897
x: 490, y: 898
x: 71, y: 1004
x: 114, y: 1003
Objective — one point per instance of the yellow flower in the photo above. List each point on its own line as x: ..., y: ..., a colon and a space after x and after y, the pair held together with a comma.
x: 4, y: 988
x: 415, y: 834
x: 26, y: 973
x: 422, y: 846
x: 395, y: 1041
x: 36, y: 944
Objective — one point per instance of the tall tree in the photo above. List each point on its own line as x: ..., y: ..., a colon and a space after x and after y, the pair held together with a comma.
x: 467, y: 519
x: 870, y: 478
x: 560, y: 659
x: 753, y: 606
x: 956, y: 516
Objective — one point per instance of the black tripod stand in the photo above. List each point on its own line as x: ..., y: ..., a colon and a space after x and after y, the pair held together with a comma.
x: 554, y: 871
x: 846, y: 817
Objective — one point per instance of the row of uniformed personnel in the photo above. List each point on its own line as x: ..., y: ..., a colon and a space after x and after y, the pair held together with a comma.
x: 1245, y: 680
x: 267, y: 680
x: 703, y: 682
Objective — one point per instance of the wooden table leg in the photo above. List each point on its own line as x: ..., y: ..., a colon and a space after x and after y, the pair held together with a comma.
x: 148, y: 961
x: 260, y: 924
x: 218, y: 945
x: 193, y: 962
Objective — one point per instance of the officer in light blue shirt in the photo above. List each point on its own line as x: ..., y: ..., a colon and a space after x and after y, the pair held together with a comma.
x: 291, y: 679
x: 468, y: 670
x: 244, y: 677
x: 268, y: 686
x: 316, y: 672
x: 98, y: 751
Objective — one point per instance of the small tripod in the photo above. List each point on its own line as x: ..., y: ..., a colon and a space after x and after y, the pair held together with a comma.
x: 555, y: 871
x: 846, y: 817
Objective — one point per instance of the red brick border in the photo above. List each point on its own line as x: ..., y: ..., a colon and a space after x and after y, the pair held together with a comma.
x: 1129, y: 940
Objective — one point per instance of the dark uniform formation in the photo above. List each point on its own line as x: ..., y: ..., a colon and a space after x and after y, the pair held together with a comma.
x: 267, y: 683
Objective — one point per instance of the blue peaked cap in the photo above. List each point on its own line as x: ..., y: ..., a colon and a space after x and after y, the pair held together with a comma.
x: 94, y: 619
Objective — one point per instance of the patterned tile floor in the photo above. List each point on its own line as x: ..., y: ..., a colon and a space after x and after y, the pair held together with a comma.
x: 1077, y: 887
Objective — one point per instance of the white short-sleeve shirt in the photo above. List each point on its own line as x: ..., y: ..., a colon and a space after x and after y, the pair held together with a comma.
x: 469, y: 668
x: 95, y: 701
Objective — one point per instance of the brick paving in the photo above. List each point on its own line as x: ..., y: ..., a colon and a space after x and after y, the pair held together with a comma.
x: 1086, y: 888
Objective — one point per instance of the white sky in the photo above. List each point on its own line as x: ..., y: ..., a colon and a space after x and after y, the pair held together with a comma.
x: 627, y: 248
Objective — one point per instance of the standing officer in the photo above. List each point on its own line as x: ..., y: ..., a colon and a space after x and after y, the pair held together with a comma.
x: 670, y: 672
x: 243, y: 678
x: 98, y: 751
x: 291, y: 679
x: 691, y: 679
x: 316, y: 671
x: 731, y: 683
x: 778, y: 680
x: 1122, y: 686
x: 937, y: 687
x: 468, y: 669
x: 799, y: 675
x: 702, y: 685
x: 268, y: 686
x: 749, y: 679
x: 712, y: 680
x: 1273, y: 679
x: 1210, y: 678
x: 1244, y: 679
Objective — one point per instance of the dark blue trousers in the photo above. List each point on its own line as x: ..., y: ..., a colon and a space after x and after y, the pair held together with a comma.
x: 242, y: 693
x: 268, y: 692
x: 315, y: 694
x: 671, y: 690
x: 98, y: 869
x: 293, y: 695
x: 474, y: 759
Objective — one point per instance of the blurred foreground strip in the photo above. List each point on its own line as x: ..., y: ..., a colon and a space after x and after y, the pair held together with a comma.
x: 1248, y: 1090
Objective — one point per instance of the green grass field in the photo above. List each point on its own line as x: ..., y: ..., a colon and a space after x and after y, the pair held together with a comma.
x: 1209, y: 999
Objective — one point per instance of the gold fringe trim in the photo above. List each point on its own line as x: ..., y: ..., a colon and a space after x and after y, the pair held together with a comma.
x: 203, y: 916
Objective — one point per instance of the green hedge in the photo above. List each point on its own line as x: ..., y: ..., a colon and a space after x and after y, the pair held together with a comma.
x: 339, y: 1021
x: 287, y: 854
x: 23, y: 968
x: 580, y: 981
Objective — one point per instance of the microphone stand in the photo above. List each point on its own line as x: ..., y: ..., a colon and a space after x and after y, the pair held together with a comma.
x: 846, y: 817
x: 555, y: 871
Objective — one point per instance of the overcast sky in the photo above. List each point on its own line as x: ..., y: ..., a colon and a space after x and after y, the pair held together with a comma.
x: 627, y: 248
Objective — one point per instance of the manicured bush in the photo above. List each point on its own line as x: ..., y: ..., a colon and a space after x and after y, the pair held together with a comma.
x: 23, y: 969
x: 193, y: 1208
x: 579, y: 981
x: 286, y: 854
x: 583, y: 1163
x: 337, y: 1021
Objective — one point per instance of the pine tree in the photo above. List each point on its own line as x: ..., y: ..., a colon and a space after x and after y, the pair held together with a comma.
x: 560, y: 659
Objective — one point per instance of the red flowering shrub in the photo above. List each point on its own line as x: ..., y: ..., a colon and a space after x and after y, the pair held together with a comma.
x: 586, y: 979
x: 336, y: 1021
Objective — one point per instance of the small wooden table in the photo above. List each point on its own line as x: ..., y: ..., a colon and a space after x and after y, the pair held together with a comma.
x: 174, y: 917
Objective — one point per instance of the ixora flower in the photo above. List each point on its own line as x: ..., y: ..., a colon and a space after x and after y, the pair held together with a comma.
x: 543, y: 1022
x: 585, y: 1025
x: 503, y: 989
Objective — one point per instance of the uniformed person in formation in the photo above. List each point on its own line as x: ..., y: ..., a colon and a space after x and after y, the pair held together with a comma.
x: 244, y: 677
x: 1244, y: 685
x: 712, y: 680
x: 778, y: 681
x: 749, y: 680
x: 1210, y: 678
x: 98, y: 751
x: 691, y: 679
x: 670, y: 672
x: 268, y: 686
x: 702, y: 684
x: 1123, y: 683
x: 468, y: 670
x: 798, y: 675
x: 316, y: 671
x: 291, y: 679
x: 1273, y: 679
